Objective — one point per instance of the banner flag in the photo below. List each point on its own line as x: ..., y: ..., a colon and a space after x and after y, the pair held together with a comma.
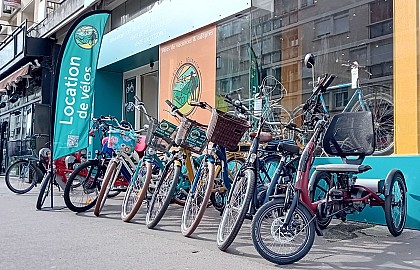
x: 75, y: 78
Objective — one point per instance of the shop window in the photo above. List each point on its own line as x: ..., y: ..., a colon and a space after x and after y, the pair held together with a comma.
x: 341, y: 99
x: 305, y: 3
x: 335, y: 25
x: 381, y: 10
x: 381, y: 29
x: 359, y: 55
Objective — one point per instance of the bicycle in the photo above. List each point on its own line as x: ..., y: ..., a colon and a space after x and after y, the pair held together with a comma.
x: 123, y: 141
x: 380, y: 105
x: 83, y: 185
x: 254, y: 184
x: 23, y: 175
x: 283, y: 230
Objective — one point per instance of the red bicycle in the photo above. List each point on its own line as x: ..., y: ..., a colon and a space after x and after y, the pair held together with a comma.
x: 283, y: 230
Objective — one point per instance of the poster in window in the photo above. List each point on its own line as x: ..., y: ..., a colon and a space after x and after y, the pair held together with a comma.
x: 129, y: 93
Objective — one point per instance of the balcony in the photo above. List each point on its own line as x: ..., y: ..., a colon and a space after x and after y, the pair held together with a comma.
x: 57, y: 12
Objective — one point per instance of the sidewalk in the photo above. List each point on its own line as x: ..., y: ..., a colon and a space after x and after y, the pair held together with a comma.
x: 61, y: 239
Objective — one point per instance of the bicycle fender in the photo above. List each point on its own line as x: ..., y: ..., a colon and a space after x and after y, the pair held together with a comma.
x: 388, y: 179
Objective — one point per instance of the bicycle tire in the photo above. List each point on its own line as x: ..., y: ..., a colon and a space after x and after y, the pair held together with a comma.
x: 383, y: 121
x: 318, y: 189
x: 269, y: 210
x: 140, y: 182
x: 188, y: 228
x: 43, y: 191
x: 9, y: 179
x: 93, y: 186
x: 396, y: 228
x: 217, y: 198
x: 109, y: 178
x: 223, y: 242
x: 153, y: 216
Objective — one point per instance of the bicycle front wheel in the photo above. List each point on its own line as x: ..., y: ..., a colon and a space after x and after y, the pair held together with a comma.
x: 198, y: 198
x: 282, y: 245
x: 236, y: 207
x: 111, y: 175
x: 136, y: 191
x: 82, y: 187
x: 44, y: 191
x: 163, y: 194
x: 22, y: 176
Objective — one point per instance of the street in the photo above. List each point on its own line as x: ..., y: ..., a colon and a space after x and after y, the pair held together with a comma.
x: 60, y: 239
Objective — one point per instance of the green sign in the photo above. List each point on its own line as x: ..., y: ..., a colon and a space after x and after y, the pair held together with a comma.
x: 76, y: 70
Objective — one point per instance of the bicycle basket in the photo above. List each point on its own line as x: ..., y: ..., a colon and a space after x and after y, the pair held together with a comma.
x: 191, y: 136
x: 226, y: 129
x: 161, y: 135
x: 122, y: 140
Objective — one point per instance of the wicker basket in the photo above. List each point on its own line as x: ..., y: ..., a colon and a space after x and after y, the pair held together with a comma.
x: 226, y: 129
x: 191, y: 136
x: 160, y: 135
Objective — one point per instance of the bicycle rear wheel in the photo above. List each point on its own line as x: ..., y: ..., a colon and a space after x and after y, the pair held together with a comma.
x: 82, y: 187
x: 111, y: 175
x: 22, y: 176
x: 136, y: 191
x: 382, y: 108
x: 163, y: 194
x: 236, y: 207
x: 44, y: 191
x: 198, y: 198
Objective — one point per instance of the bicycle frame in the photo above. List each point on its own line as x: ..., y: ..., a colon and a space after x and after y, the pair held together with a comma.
x: 357, y: 95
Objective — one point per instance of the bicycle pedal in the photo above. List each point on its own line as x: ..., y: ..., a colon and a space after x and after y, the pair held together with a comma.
x: 248, y: 216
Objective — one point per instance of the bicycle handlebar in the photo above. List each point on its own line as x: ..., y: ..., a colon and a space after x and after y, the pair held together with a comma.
x: 174, y: 109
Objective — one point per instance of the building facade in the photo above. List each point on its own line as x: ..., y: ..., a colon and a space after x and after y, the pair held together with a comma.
x: 200, y: 50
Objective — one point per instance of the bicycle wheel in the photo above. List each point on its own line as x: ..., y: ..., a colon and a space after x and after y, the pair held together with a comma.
x: 382, y: 108
x: 218, y: 197
x: 44, y: 191
x: 236, y: 207
x: 82, y: 187
x: 396, y: 205
x: 198, y: 198
x: 163, y: 194
x: 318, y: 189
x: 110, y: 176
x: 282, y: 246
x: 22, y: 176
x: 136, y: 191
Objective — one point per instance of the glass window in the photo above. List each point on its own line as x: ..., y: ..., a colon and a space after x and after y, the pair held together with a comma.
x: 341, y: 24
x: 322, y: 27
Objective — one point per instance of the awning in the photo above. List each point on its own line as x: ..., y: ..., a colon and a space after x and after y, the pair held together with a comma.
x: 15, y: 77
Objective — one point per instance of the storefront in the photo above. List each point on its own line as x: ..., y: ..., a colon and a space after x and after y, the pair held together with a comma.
x: 25, y: 68
x: 219, y: 48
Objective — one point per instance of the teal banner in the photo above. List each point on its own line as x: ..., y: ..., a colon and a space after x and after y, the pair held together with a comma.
x: 75, y: 79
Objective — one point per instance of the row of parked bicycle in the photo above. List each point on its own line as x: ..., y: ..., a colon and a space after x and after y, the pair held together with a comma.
x: 268, y: 181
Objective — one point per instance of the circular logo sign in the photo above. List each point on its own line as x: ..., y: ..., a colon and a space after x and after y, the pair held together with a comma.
x: 186, y: 87
x: 86, y: 36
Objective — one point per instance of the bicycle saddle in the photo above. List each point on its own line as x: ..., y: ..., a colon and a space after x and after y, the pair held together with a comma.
x: 264, y: 136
